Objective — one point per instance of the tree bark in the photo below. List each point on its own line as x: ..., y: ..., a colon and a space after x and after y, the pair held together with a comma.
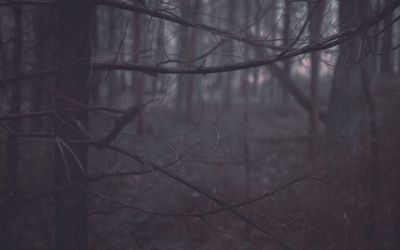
x: 196, y: 5
x: 12, y: 146
x: 316, y: 9
x: 227, y: 88
x: 286, y: 36
x: 138, y: 78
x: 44, y: 23
x: 347, y: 132
x: 73, y: 35
x: 112, y: 18
x: 387, y: 68
x: 187, y: 39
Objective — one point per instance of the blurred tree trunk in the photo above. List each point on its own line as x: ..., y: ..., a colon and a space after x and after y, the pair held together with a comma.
x: 374, y: 64
x: 347, y: 130
x: 196, y: 7
x: 138, y: 78
x: 228, y: 84
x: 159, y: 44
x: 183, y: 48
x: 271, y: 83
x: 286, y: 36
x: 12, y: 146
x: 44, y: 24
x: 74, y: 52
x: 95, y: 83
x: 216, y: 87
x: 387, y: 68
x: 245, y: 93
x: 3, y: 54
x: 316, y: 9
x: 187, y: 50
x: 112, y: 34
x: 383, y: 166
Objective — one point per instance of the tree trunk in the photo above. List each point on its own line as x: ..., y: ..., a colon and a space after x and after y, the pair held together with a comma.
x: 112, y: 33
x: 317, y: 10
x: 182, y: 51
x: 196, y: 6
x: 3, y: 54
x: 44, y: 24
x: 228, y: 89
x: 187, y: 40
x: 286, y: 41
x: 347, y: 132
x: 387, y: 68
x: 94, y: 97
x: 74, y: 52
x: 159, y: 43
x: 138, y: 78
x: 12, y: 146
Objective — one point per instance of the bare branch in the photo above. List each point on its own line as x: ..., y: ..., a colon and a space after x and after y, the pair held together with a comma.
x: 128, y: 116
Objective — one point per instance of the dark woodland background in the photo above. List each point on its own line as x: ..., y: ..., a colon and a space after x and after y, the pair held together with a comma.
x: 199, y: 124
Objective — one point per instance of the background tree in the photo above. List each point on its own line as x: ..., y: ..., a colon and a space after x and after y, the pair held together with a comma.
x: 347, y: 131
x: 316, y: 10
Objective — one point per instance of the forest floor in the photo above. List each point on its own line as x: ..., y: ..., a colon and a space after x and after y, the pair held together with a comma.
x: 210, y: 153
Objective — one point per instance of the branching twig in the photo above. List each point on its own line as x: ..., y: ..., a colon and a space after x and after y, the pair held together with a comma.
x: 128, y: 116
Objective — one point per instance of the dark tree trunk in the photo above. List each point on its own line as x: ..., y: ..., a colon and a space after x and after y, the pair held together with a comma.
x: 74, y: 52
x: 138, y: 78
x: 228, y: 89
x: 271, y: 85
x: 112, y: 34
x: 374, y: 64
x: 12, y: 146
x: 183, y: 43
x: 186, y: 52
x: 347, y: 131
x: 286, y: 36
x: 196, y: 6
x: 317, y: 10
x: 245, y: 93
x: 158, y: 55
x: 3, y: 53
x: 387, y: 68
x: 44, y: 26
x: 94, y: 83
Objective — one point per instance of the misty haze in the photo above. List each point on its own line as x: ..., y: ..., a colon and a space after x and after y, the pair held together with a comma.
x: 199, y: 124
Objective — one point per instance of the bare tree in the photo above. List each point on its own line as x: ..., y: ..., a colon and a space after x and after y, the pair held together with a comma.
x: 189, y: 171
